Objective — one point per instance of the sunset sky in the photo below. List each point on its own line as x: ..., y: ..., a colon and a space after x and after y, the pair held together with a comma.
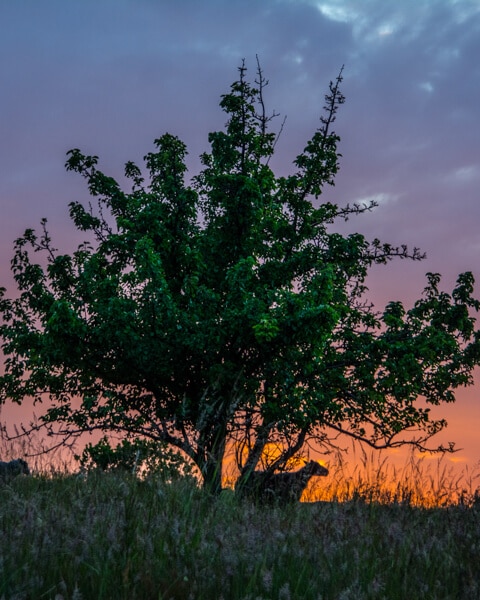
x: 110, y: 76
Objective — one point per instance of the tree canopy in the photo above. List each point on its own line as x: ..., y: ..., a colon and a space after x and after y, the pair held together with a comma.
x: 227, y: 310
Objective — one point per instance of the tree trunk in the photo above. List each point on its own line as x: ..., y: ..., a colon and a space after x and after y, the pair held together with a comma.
x: 211, y: 460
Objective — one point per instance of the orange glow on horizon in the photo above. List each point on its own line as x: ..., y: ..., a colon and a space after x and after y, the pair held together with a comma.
x: 421, y: 478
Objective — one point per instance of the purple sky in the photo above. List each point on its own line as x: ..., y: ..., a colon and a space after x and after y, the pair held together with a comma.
x: 109, y: 76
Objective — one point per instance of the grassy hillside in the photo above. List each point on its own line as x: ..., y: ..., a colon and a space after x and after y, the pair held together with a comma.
x: 112, y: 536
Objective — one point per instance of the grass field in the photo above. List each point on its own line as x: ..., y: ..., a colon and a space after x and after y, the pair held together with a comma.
x: 113, y: 536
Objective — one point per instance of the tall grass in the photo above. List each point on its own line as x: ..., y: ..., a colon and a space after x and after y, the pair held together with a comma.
x: 378, y: 532
x: 421, y: 480
x: 112, y: 536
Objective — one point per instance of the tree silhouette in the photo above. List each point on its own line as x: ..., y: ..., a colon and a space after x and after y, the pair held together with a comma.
x: 227, y: 310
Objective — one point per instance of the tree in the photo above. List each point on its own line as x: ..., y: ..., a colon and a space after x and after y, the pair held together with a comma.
x: 134, y: 457
x: 226, y: 310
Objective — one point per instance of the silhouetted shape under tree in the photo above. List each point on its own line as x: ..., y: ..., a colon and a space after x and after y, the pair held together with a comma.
x: 9, y: 470
x: 280, y: 487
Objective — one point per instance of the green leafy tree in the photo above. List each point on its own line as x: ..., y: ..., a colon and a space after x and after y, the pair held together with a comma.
x: 227, y: 310
x: 135, y: 456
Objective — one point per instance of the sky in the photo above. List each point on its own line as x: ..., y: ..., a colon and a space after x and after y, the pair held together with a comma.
x: 110, y: 76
